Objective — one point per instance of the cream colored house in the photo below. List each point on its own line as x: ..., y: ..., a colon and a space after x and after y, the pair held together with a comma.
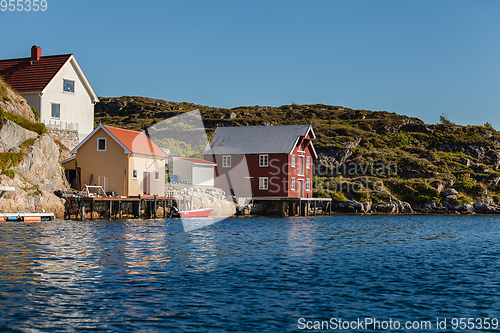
x: 56, y: 86
x: 125, y: 162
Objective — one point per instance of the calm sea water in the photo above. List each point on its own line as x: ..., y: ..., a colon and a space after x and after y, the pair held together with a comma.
x: 248, y: 274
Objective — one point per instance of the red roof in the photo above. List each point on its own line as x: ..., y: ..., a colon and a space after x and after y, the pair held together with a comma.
x: 136, y: 142
x: 23, y: 75
x: 196, y: 160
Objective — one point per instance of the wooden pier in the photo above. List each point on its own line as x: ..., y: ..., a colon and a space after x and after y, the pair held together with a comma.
x: 286, y: 206
x: 146, y: 206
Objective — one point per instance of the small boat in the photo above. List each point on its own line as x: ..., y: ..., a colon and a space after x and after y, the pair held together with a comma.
x: 175, y: 212
x: 26, y: 217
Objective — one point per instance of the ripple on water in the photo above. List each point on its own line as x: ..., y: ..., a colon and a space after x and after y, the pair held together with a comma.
x: 261, y: 273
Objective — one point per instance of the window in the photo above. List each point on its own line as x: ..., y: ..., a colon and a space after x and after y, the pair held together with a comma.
x: 135, y: 174
x: 263, y: 160
x: 56, y: 111
x: 101, y: 144
x: 226, y: 161
x: 308, y: 162
x: 293, y: 161
x: 263, y: 183
x: 69, y: 86
x: 301, y: 165
x: 308, y: 184
x: 157, y: 176
x: 292, y: 184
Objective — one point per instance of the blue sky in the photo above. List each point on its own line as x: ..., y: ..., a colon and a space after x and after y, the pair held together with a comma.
x: 417, y: 58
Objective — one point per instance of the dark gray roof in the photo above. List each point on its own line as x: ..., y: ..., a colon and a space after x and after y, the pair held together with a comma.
x: 256, y: 139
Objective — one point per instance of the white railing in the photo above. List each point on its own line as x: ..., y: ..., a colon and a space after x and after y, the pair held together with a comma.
x: 62, y: 125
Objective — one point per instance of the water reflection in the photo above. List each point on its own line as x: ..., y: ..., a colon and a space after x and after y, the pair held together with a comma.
x: 263, y: 273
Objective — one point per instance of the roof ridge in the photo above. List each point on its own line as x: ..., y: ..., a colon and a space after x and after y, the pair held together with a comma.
x: 122, y: 129
x: 46, y: 56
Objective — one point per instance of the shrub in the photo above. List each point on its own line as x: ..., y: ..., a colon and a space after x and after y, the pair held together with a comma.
x: 443, y: 119
x: 36, y: 113
x: 402, y: 139
x: 3, y: 91
x: 464, y: 182
x: 9, y: 172
x: 338, y: 196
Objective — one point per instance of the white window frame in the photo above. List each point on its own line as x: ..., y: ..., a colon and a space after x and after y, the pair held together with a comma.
x: 226, y: 161
x: 136, y: 172
x: 69, y: 92
x: 293, y: 161
x: 263, y: 158
x: 51, y: 110
x: 308, y: 162
x: 157, y: 176
x: 308, y: 184
x: 301, y: 165
x: 263, y: 183
x: 292, y: 184
x: 105, y: 144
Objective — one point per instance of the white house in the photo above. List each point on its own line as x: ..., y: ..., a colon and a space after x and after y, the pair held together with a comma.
x: 56, y: 86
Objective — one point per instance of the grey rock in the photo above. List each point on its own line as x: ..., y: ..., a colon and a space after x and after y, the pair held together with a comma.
x: 387, y: 208
x: 449, y: 192
x: 465, y: 209
x: 465, y: 161
x: 12, y: 135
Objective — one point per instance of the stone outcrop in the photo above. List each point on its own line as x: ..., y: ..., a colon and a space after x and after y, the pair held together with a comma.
x: 17, y: 105
x: 207, y: 197
x: 12, y: 136
x: 38, y: 174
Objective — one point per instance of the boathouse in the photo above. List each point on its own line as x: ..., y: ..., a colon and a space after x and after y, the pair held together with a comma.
x: 263, y: 161
x: 124, y: 162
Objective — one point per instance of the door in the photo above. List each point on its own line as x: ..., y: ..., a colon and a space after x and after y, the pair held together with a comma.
x: 301, y: 188
x: 146, y: 183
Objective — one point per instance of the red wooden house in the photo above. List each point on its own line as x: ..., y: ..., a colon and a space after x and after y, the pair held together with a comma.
x: 263, y: 161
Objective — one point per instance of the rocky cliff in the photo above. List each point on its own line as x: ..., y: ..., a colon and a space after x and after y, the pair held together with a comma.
x: 206, y: 197
x: 29, y: 159
x: 360, y: 152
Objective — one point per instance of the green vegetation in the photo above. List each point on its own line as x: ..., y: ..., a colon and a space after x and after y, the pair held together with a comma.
x: 10, y: 159
x: 400, y: 157
x: 4, y: 91
x: 36, y: 113
x: 23, y: 122
x: 443, y: 119
x: 10, y: 173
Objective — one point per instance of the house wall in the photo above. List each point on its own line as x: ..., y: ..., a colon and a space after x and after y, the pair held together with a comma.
x: 33, y: 100
x: 300, y: 151
x: 242, y: 178
x: 111, y: 163
x: 148, y: 164
x: 70, y: 165
x: 76, y: 108
x: 183, y: 170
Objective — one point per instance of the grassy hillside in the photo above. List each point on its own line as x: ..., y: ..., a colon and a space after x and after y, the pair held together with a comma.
x: 364, y: 155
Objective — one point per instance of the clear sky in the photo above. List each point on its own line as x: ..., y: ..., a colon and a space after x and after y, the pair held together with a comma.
x: 418, y: 58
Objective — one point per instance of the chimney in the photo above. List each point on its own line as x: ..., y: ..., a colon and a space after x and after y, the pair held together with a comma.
x: 36, y: 53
